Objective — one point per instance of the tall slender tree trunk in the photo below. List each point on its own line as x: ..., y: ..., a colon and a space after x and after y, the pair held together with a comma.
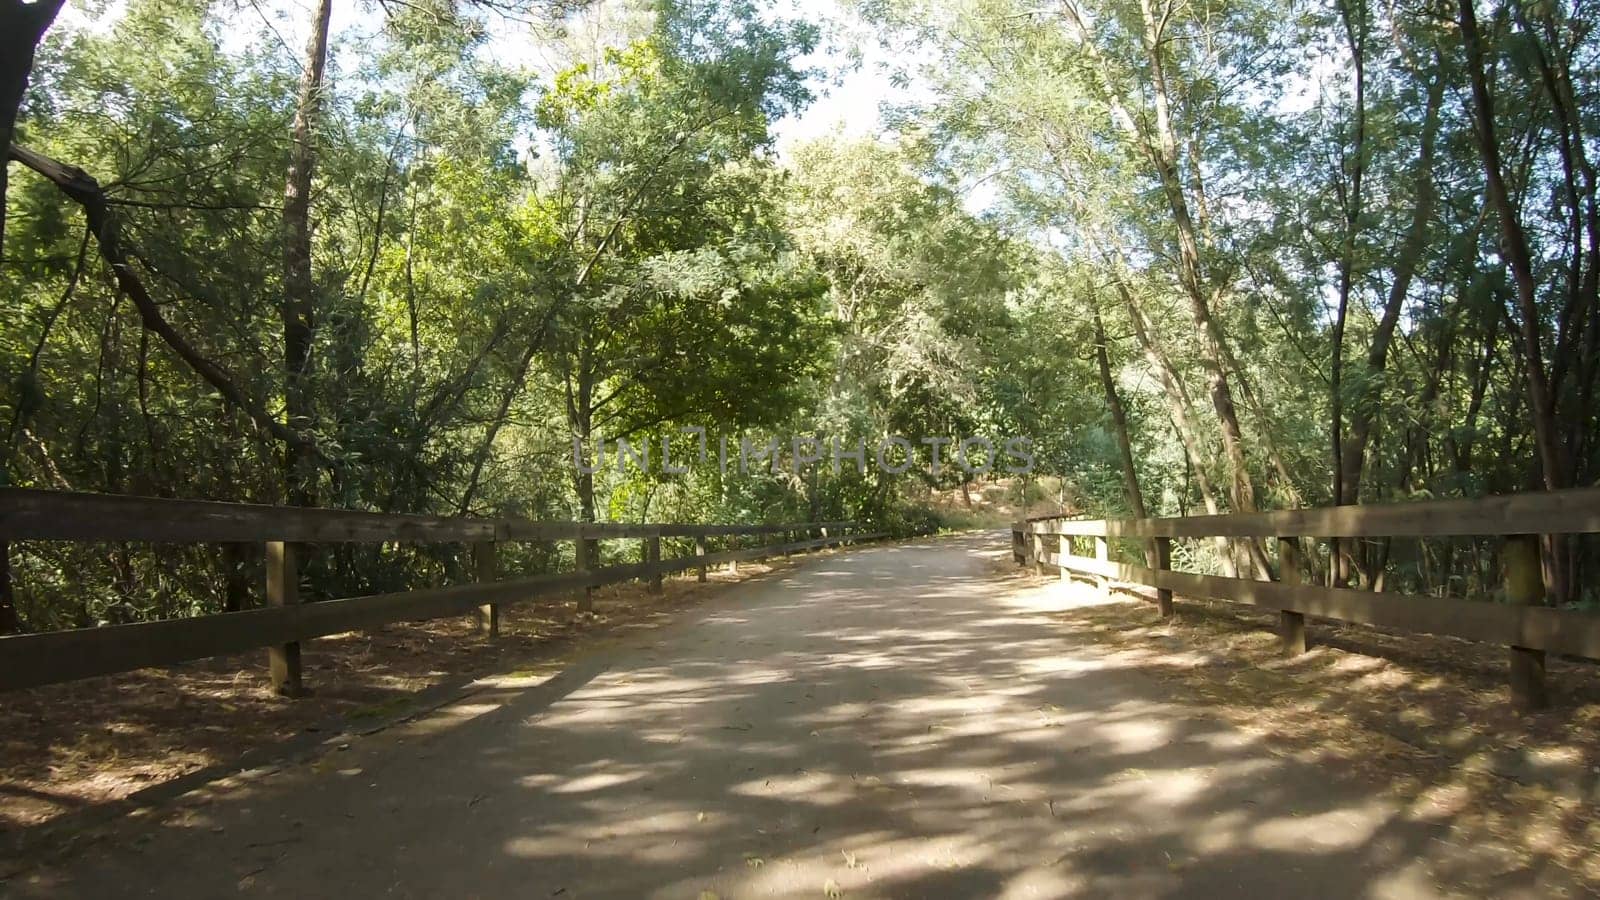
x: 580, y: 386
x: 1214, y: 356
x: 1514, y: 247
x: 299, y: 290
x: 22, y: 27
x: 1163, y: 152
x: 502, y: 413
x: 10, y: 622
x: 1119, y: 417
x: 1119, y: 425
x: 1412, y: 248
x: 1179, y: 405
x: 1355, y: 27
x: 1578, y: 325
x: 1461, y: 448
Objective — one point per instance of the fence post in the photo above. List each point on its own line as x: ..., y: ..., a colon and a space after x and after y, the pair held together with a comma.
x: 485, y: 570
x: 1164, y: 563
x: 734, y: 543
x: 1036, y: 541
x: 1524, y: 581
x: 586, y: 549
x: 283, y: 589
x: 700, y: 550
x: 1291, y: 625
x: 1102, y: 554
x: 652, y: 555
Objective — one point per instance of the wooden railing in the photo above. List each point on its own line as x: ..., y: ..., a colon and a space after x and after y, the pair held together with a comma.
x: 1523, y: 623
x: 31, y: 515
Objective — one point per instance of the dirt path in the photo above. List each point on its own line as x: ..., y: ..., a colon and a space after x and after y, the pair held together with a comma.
x: 83, y: 750
x: 892, y: 721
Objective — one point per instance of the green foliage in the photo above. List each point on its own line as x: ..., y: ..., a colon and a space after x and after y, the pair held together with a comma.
x: 505, y: 260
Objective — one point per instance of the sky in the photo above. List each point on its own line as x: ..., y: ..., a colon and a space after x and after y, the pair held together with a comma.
x: 853, y: 84
x: 848, y: 95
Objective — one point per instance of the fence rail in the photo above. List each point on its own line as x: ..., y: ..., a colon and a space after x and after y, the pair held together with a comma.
x: 30, y: 660
x: 35, y: 515
x: 1523, y: 623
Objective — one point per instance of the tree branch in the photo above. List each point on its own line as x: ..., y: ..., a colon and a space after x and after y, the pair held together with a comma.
x: 83, y: 189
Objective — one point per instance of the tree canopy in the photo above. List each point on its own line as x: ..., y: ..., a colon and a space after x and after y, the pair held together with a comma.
x: 1205, y: 256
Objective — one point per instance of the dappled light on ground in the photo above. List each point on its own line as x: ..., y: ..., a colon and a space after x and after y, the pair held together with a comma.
x: 1425, y: 717
x: 890, y: 722
x: 70, y: 752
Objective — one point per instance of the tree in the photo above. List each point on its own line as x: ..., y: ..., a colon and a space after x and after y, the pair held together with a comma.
x: 299, y: 301
x: 685, y: 307
x: 22, y: 26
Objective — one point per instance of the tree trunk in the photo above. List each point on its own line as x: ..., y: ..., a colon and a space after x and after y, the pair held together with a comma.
x: 1119, y: 417
x: 1547, y: 435
x: 22, y: 27
x: 1514, y: 246
x: 235, y: 581
x: 83, y: 189
x: 1178, y: 407
x: 1578, y: 328
x: 1412, y: 247
x: 1179, y: 403
x: 1461, y: 449
x: 580, y: 420
x: 1355, y: 34
x: 1119, y: 424
x: 486, y: 449
x: 10, y: 622
x: 299, y: 300
x: 1163, y: 152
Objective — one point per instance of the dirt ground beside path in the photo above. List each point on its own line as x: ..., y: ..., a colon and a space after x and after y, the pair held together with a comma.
x: 81, y: 745
x: 1430, y: 717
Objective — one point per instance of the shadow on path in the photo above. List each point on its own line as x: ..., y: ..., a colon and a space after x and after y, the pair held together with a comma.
x: 887, y: 722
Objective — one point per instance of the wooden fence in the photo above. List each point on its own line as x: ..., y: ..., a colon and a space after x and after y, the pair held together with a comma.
x: 31, y: 515
x: 1523, y: 623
